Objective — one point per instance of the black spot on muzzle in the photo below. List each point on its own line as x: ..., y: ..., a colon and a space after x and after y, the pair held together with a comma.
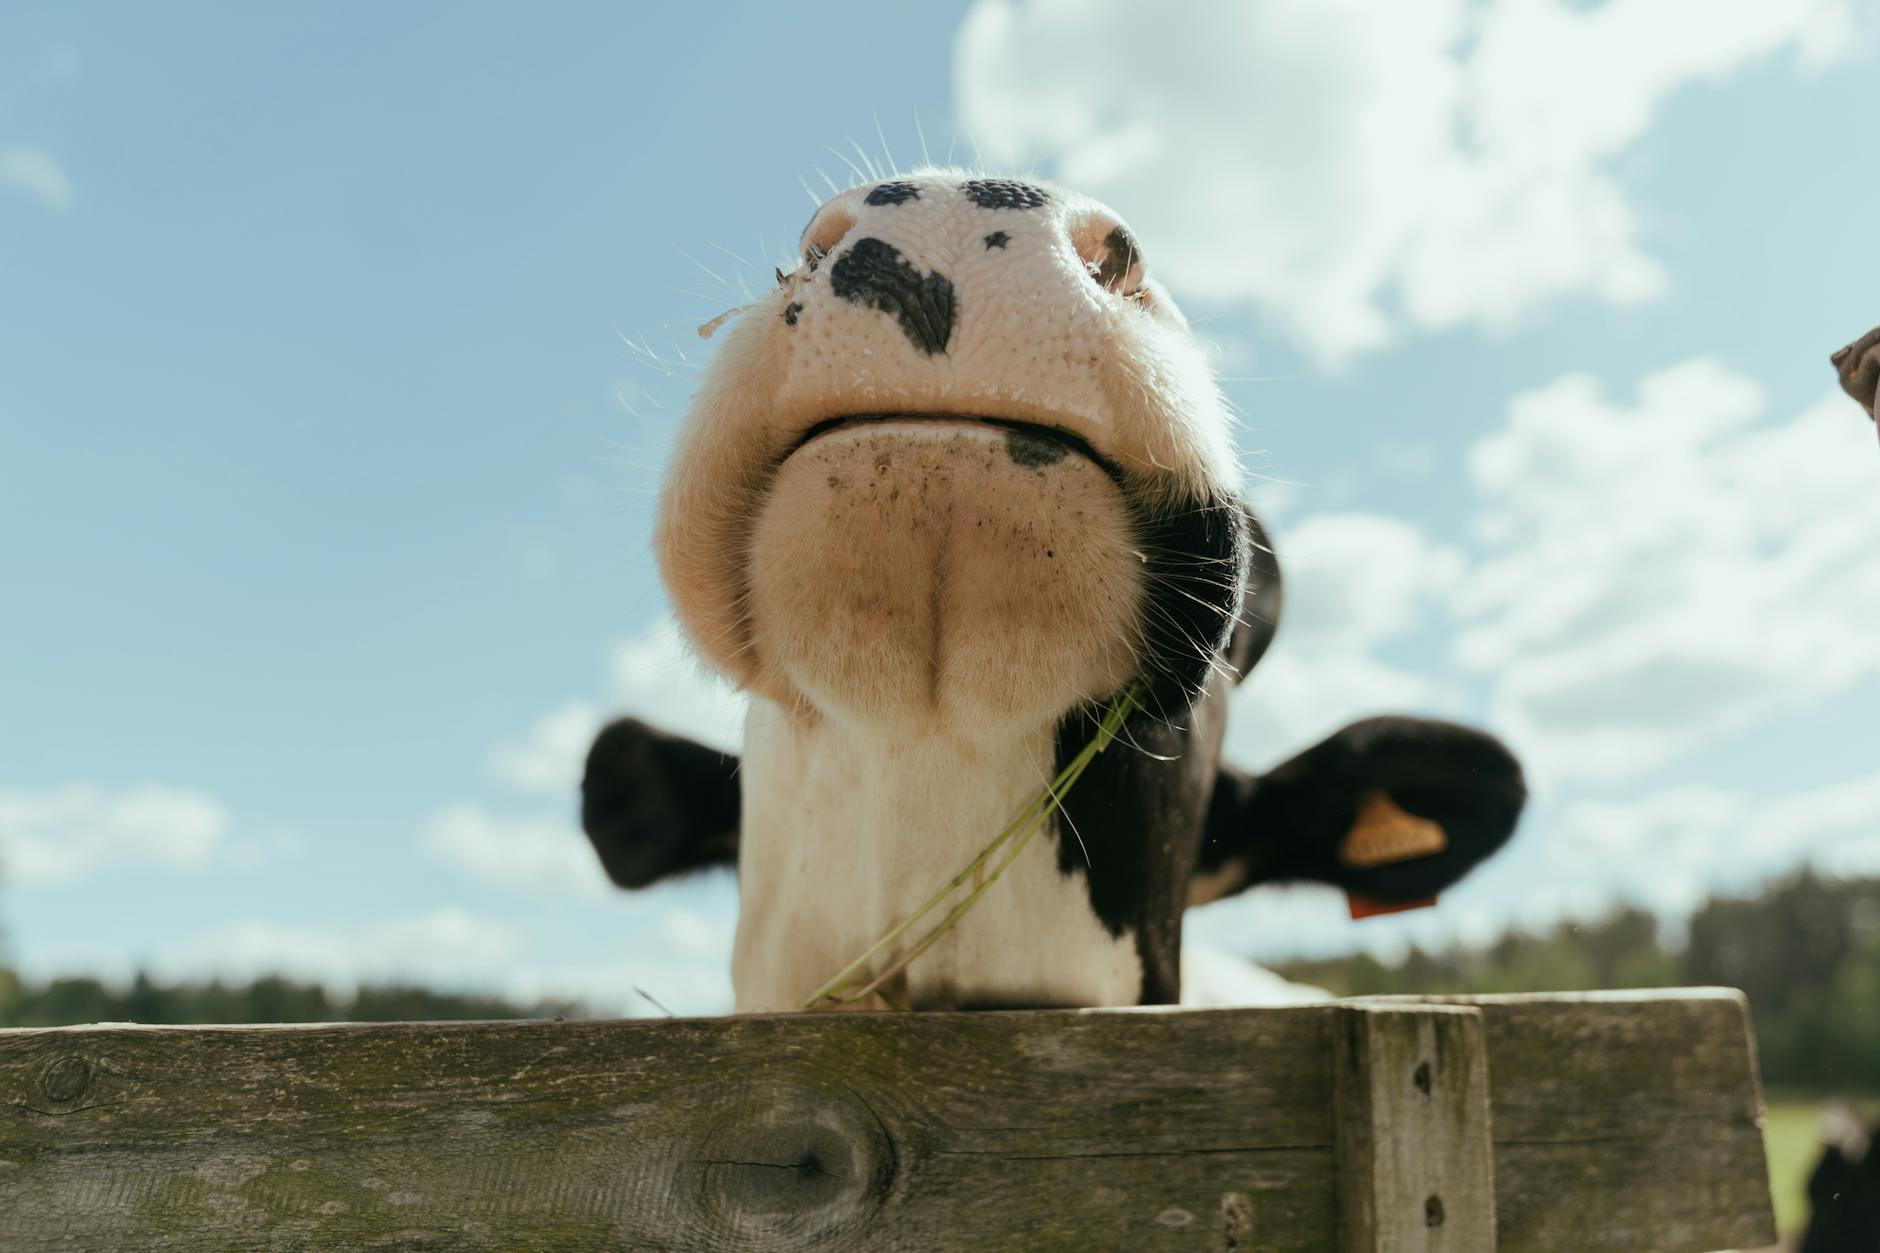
x: 875, y: 274
x: 1003, y: 193
x: 892, y: 193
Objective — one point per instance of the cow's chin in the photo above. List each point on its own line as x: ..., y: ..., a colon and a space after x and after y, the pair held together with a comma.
x: 927, y: 575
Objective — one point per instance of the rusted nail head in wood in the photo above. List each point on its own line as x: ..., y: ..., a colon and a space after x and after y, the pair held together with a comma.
x: 1422, y: 1078
x: 1433, y: 1211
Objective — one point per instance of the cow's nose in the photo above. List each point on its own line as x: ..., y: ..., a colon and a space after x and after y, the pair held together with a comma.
x: 903, y: 246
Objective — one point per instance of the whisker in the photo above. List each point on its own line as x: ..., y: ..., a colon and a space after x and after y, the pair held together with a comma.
x: 893, y: 167
x: 867, y: 161
x: 918, y: 130
x: 861, y: 176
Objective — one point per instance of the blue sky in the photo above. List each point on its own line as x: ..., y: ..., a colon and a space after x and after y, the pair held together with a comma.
x: 326, y: 468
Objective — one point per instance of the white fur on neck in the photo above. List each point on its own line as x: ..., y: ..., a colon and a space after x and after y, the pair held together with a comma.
x: 846, y: 833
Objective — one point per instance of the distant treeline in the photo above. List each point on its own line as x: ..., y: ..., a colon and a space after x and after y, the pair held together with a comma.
x: 62, y: 1002
x: 1806, y: 950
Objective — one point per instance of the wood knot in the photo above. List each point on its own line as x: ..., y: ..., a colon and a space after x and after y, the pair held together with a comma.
x: 787, y: 1167
x: 66, y: 1080
x: 1433, y: 1211
x: 1422, y: 1078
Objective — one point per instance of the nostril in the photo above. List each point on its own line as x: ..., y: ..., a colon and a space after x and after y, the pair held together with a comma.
x: 1110, y: 253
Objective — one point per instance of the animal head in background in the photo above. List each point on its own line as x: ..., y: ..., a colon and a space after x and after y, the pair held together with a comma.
x: 1858, y: 366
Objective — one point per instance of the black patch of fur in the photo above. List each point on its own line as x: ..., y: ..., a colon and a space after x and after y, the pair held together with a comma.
x: 892, y: 193
x: 1197, y: 556
x: 1131, y: 825
x: 656, y: 805
x: 1003, y: 193
x: 998, y: 239
x: 874, y: 273
x: 790, y: 311
x: 1260, y: 606
x: 1133, y: 822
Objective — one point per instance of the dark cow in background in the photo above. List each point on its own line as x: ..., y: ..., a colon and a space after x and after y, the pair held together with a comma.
x: 1844, y: 1191
x: 959, y: 486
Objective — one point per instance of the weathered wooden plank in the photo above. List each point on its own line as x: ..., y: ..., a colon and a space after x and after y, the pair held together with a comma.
x: 1413, y: 1153
x: 1625, y: 1121
x: 1060, y: 1130
x: 1620, y: 1124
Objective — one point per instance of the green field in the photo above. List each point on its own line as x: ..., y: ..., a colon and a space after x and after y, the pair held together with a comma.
x: 1791, y: 1133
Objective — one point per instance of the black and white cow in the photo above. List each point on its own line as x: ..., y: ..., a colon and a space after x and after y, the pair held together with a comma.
x: 961, y: 478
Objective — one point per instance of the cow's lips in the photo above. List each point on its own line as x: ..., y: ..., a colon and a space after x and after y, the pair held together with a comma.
x: 1069, y: 440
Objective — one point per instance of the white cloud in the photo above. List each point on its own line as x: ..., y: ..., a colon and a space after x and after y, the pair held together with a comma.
x: 656, y: 677
x: 1650, y: 575
x: 652, y: 676
x: 1669, y: 570
x: 549, y: 757
x: 446, y: 947
x: 1355, y: 585
x: 30, y: 169
x: 1671, y: 847
x: 65, y: 833
x: 681, y: 964
x: 539, y: 854
x: 1350, y: 167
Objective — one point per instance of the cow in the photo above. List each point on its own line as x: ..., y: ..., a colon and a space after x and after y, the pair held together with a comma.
x: 957, y: 504
x: 1844, y: 1189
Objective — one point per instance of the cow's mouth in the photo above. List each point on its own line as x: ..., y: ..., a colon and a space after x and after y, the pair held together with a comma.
x: 1028, y: 443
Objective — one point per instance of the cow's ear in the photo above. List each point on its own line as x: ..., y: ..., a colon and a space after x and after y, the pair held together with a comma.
x: 1393, y: 810
x: 656, y: 805
x: 1858, y: 366
x: 1259, y: 607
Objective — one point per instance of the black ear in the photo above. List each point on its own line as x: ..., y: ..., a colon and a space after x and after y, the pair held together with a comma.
x: 1393, y: 810
x: 656, y: 805
x: 1260, y: 606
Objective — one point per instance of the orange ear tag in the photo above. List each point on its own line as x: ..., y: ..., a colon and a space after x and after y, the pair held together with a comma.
x: 1383, y: 835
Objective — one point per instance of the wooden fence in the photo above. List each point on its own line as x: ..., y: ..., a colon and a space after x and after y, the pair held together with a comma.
x: 1627, y: 1122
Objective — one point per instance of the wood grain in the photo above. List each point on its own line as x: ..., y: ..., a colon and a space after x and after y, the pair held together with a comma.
x: 1414, y: 1153
x: 1051, y: 1130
